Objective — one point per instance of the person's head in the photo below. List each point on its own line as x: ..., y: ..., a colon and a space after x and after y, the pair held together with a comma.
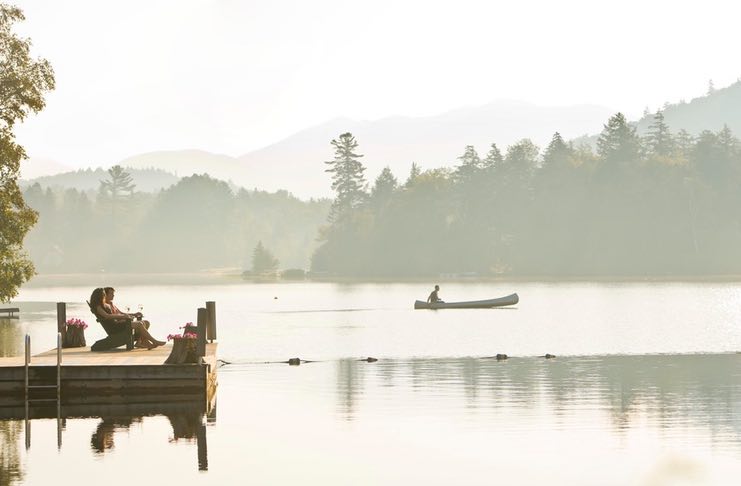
x: 109, y: 293
x: 96, y: 298
x: 437, y: 287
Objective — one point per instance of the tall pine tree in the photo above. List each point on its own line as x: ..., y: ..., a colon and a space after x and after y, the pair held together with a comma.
x: 348, y: 180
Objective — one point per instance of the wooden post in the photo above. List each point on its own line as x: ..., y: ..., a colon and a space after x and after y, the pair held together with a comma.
x: 201, y: 339
x: 61, y: 317
x: 211, y: 328
x: 202, y: 448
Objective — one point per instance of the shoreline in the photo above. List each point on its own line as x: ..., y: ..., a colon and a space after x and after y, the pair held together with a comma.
x: 216, y: 278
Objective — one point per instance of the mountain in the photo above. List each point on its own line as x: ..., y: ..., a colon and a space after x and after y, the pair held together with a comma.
x: 146, y: 180
x: 296, y: 163
x: 709, y: 112
x: 38, y: 167
x: 184, y: 163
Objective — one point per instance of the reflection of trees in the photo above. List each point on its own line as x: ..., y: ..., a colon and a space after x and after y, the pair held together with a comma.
x: 10, y: 337
x: 10, y: 464
x: 700, y: 390
x: 349, y: 384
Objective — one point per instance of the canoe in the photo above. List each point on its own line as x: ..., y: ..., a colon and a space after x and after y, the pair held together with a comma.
x: 471, y: 304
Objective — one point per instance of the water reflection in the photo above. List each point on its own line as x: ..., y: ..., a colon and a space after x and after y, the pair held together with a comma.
x: 102, y: 439
x: 662, y: 391
x: 187, y: 420
x: 11, y: 470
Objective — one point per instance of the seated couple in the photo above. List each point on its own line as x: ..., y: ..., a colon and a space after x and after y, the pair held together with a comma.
x: 112, y: 319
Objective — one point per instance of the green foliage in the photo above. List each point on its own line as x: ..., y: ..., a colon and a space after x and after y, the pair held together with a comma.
x: 263, y: 261
x: 348, y: 180
x: 23, y: 83
x: 116, y: 191
x: 663, y: 205
x: 196, y: 224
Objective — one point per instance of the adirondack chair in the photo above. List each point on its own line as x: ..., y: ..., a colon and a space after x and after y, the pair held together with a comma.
x: 119, y: 333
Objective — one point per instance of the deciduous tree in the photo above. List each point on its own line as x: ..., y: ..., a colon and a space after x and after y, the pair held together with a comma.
x: 23, y: 83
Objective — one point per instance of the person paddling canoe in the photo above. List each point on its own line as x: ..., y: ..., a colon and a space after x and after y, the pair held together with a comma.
x: 434, y: 298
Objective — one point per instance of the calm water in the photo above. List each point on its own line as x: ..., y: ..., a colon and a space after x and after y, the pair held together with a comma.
x: 646, y: 388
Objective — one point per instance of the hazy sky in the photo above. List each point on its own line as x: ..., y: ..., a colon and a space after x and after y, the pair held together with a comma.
x: 231, y: 76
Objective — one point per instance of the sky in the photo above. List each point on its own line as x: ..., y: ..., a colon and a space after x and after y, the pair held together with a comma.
x: 232, y: 76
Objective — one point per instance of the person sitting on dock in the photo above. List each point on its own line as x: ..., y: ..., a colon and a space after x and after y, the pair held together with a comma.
x: 433, y: 298
x: 110, y: 292
x: 99, y: 308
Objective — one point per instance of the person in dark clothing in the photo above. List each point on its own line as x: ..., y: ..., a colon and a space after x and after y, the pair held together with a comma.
x: 434, y: 298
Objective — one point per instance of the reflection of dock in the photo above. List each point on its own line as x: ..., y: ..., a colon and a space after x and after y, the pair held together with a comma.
x: 85, y: 375
x: 188, y: 419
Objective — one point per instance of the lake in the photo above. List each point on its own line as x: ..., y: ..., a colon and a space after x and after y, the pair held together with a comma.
x: 645, y: 388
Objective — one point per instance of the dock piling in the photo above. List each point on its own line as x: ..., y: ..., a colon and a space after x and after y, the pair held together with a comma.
x: 211, y: 327
x: 61, y: 317
x: 201, y: 339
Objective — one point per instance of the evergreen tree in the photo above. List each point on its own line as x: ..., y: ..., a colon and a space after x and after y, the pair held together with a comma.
x: 117, y: 189
x: 684, y: 143
x: 557, y: 154
x: 384, y: 186
x: 119, y: 184
x: 469, y: 166
x: 728, y: 142
x: 618, y: 141
x: 263, y: 260
x: 23, y: 83
x: 348, y: 180
x: 659, y: 140
x: 493, y: 158
x: 414, y: 173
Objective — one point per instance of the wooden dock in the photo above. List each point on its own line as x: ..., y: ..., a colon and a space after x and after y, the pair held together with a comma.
x: 87, y: 376
x: 116, y: 375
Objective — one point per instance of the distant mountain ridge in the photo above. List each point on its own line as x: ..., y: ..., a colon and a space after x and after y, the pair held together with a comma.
x: 146, y: 180
x: 296, y: 163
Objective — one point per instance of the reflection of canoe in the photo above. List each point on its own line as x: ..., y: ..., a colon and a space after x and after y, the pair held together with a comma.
x: 472, y: 304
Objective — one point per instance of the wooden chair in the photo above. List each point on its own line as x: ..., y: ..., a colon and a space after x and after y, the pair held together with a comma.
x: 119, y: 333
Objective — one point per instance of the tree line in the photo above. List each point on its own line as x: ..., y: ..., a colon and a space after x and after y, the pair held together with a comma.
x: 197, y: 223
x: 661, y: 204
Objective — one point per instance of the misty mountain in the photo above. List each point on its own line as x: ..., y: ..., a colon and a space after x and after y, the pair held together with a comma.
x: 296, y: 163
x: 184, y: 163
x: 710, y: 112
x: 39, y: 167
x: 146, y: 180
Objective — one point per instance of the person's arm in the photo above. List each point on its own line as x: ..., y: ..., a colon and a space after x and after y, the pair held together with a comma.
x: 134, y: 315
x: 104, y: 314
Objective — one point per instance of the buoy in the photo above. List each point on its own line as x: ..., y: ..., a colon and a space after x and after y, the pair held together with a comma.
x: 275, y: 298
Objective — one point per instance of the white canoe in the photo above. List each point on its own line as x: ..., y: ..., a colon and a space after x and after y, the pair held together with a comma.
x: 471, y: 304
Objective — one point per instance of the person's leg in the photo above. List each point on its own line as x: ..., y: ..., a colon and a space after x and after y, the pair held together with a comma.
x: 144, y: 337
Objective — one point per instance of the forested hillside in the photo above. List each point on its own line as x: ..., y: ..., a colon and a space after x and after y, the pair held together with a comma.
x: 663, y: 204
x: 88, y: 180
x: 197, y: 223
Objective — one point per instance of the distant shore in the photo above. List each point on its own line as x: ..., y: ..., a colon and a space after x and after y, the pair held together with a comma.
x: 235, y: 276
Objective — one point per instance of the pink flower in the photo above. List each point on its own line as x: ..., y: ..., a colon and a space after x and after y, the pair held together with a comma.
x: 75, y: 322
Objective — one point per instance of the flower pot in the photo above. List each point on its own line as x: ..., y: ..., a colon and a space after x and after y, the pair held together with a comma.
x: 183, y: 351
x: 74, y: 337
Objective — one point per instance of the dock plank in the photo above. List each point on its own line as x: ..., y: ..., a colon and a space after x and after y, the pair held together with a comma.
x: 116, y: 357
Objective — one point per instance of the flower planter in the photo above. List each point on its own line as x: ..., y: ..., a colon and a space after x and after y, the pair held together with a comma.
x: 183, y: 351
x: 74, y: 334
